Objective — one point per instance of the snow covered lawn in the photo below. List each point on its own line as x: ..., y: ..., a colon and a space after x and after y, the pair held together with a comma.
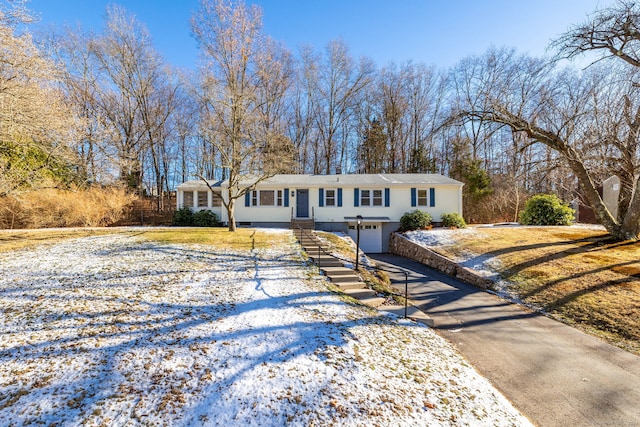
x: 115, y: 330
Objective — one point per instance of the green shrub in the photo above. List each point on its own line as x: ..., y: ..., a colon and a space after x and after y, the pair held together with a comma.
x: 546, y: 209
x: 416, y: 220
x: 453, y: 220
x: 205, y: 218
x: 183, y: 216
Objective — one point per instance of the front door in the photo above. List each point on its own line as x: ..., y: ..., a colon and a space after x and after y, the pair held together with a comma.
x: 302, y: 203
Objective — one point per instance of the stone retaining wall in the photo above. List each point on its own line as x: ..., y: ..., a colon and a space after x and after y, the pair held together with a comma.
x: 402, y: 246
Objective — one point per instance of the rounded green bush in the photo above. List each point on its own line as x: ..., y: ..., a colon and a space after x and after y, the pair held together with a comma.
x: 205, y: 218
x: 416, y: 220
x: 183, y: 217
x: 546, y: 209
x: 453, y: 220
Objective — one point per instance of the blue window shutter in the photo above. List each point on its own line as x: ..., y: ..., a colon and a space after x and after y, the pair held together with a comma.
x: 414, y: 197
x: 339, y: 197
x: 432, y: 197
x: 321, y: 197
x: 247, y: 198
x: 286, y: 197
x: 387, y: 195
x: 356, y: 197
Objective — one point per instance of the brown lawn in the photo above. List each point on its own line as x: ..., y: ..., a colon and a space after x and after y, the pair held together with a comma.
x: 580, y: 276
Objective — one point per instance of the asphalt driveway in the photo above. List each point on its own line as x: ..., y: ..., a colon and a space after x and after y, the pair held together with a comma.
x: 553, y: 373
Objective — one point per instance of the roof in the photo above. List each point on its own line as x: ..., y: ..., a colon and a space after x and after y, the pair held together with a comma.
x: 308, y: 180
x: 200, y: 184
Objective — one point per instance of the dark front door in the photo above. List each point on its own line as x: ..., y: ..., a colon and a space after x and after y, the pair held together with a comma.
x: 302, y: 203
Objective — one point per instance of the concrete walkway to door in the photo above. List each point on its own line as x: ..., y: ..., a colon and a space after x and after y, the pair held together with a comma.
x: 554, y: 374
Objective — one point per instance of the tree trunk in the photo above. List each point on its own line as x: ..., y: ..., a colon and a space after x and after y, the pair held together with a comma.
x: 231, y: 215
x: 631, y: 222
x: 593, y: 197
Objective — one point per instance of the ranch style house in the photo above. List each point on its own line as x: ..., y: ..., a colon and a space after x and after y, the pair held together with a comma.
x: 332, y: 202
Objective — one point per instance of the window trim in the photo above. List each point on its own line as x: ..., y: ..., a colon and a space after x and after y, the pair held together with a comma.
x: 333, y: 198
x: 422, y: 200
x: 255, y: 198
x: 190, y: 197
x: 371, y: 197
x: 204, y: 200
x: 430, y: 197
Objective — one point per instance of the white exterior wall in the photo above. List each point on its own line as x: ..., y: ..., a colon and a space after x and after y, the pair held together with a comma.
x: 220, y: 211
x: 263, y: 213
x: 448, y: 199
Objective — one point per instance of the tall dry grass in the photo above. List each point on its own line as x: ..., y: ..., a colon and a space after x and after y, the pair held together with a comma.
x: 46, y: 208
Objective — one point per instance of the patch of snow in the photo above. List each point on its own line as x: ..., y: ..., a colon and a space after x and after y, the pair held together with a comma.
x: 440, y: 236
x: 114, y: 330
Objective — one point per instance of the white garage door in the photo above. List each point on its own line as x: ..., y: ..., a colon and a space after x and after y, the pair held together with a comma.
x: 370, y: 237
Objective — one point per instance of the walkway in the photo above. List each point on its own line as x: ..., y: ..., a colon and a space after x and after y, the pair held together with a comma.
x: 555, y: 374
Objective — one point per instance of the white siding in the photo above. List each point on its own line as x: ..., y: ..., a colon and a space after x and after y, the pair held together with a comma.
x: 448, y: 199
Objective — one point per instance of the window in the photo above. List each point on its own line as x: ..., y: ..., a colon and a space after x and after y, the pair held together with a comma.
x: 203, y: 200
x: 330, y: 198
x: 370, y: 197
x: 267, y: 197
x: 365, y: 198
x: 187, y: 199
x: 216, y: 199
x: 377, y: 197
x: 422, y: 197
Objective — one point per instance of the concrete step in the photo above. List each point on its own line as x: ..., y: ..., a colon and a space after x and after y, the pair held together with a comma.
x: 343, y: 278
x: 366, y: 296
x: 350, y: 285
x: 337, y: 271
x: 361, y: 293
x: 327, y: 263
x: 308, y: 239
x: 314, y: 249
x: 324, y: 260
x: 305, y: 224
x: 412, y: 313
x: 312, y: 243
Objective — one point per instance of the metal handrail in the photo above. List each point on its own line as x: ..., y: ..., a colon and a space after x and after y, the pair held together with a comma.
x: 406, y: 287
x: 303, y: 231
x: 406, y: 273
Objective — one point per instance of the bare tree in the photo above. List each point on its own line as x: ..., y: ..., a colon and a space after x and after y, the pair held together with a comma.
x: 71, y: 51
x: 37, y: 127
x: 336, y: 87
x: 235, y: 59
x: 613, y: 32
x: 118, y: 54
x: 426, y: 90
x: 559, y: 109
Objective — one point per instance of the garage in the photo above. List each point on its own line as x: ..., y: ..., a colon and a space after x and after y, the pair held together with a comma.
x: 370, y: 236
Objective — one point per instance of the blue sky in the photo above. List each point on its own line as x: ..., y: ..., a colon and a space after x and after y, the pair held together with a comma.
x: 438, y: 32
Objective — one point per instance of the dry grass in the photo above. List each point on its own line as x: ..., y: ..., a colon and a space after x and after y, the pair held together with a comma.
x: 242, y: 238
x: 24, y: 239
x: 580, y: 276
x: 48, y: 208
